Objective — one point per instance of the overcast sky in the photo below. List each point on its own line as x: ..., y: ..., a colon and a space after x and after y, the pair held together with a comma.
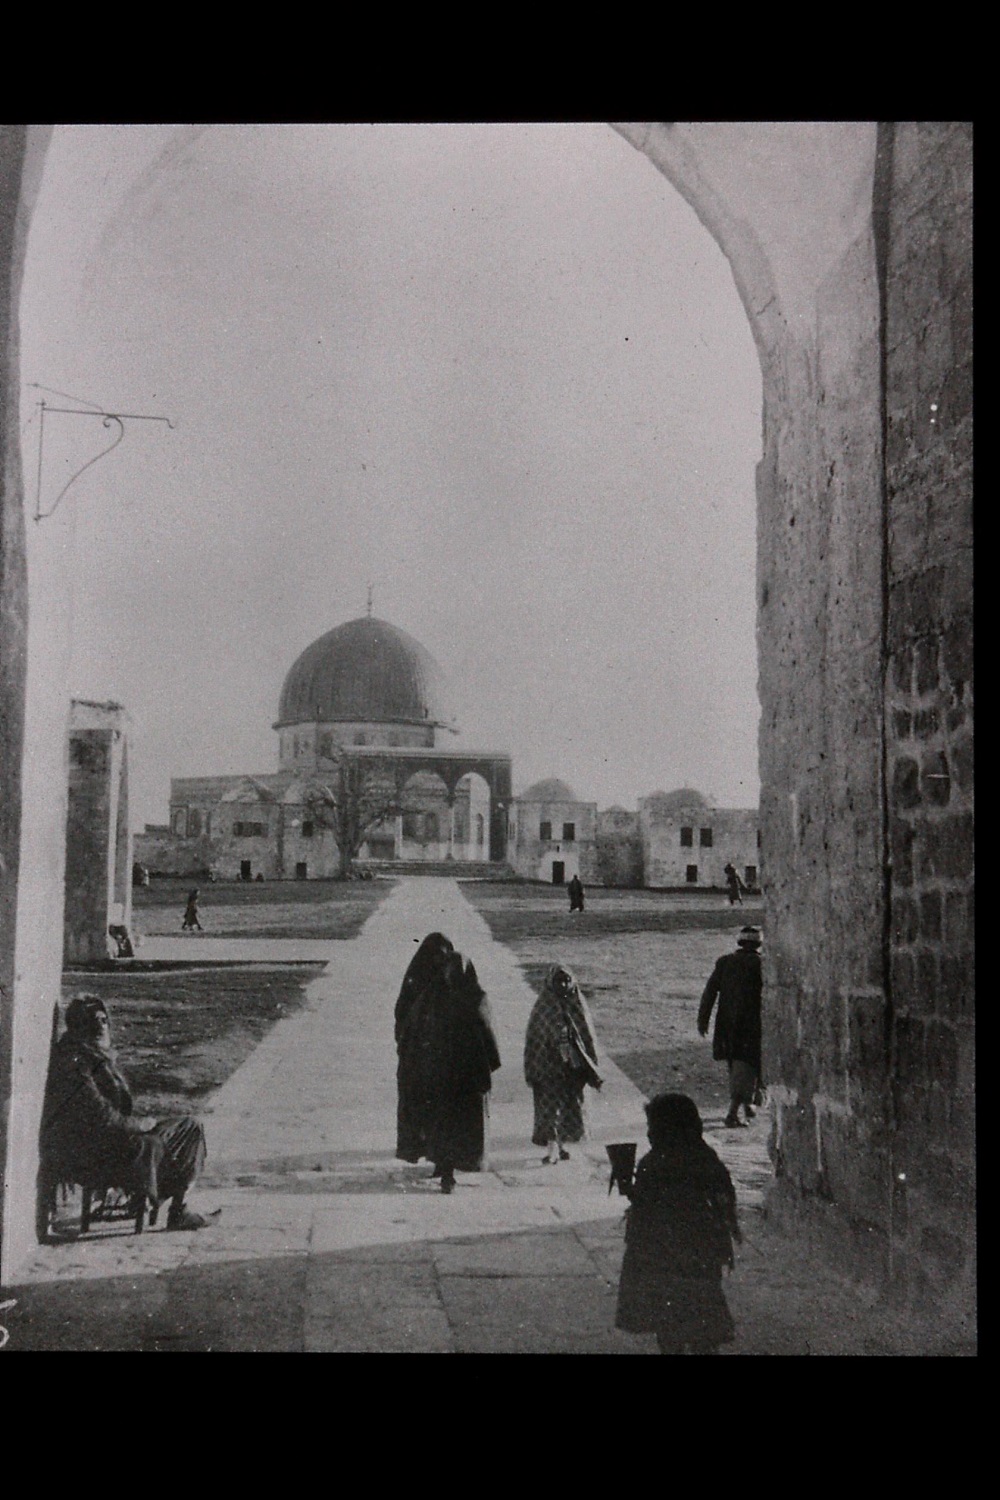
x: 502, y: 373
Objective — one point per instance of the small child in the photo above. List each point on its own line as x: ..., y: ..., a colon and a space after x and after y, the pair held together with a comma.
x: 680, y: 1230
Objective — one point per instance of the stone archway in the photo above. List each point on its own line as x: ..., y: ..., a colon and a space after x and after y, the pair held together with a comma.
x: 864, y: 619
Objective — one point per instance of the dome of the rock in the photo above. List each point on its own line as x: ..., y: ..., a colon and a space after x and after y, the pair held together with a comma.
x: 364, y: 670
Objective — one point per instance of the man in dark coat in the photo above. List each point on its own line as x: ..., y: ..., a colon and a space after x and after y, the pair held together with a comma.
x: 736, y: 984
x: 575, y: 889
x: 88, y: 1133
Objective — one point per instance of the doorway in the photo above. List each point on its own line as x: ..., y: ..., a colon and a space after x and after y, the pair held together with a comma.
x: 558, y: 872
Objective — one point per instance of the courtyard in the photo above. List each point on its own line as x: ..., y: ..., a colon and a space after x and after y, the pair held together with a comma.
x: 321, y: 1241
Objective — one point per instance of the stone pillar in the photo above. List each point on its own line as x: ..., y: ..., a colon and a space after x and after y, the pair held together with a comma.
x: 450, y: 854
x: 98, y: 841
x: 397, y: 850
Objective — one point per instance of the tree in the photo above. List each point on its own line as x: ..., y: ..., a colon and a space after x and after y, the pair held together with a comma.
x: 354, y: 801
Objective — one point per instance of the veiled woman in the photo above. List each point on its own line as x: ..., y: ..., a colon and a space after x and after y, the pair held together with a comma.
x: 425, y: 967
x: 560, y: 1060
x: 447, y: 1055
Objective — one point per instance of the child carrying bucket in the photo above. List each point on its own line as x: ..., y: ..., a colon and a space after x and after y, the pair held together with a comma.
x: 680, y: 1229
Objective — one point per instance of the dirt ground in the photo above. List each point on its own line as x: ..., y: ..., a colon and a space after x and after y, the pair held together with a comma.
x: 642, y: 959
x: 178, y: 1035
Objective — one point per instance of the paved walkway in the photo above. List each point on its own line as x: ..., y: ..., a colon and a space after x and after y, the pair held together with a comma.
x: 326, y: 1243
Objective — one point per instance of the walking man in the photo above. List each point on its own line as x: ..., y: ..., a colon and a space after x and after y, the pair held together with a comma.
x: 736, y: 984
x: 734, y: 885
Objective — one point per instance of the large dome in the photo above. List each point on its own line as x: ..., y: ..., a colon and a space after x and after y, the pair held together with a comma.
x: 366, y: 670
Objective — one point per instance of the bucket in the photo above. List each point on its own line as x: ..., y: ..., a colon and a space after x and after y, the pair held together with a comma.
x: 621, y: 1155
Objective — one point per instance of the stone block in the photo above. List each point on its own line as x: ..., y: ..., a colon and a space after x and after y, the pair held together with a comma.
x: 905, y: 920
x: 904, y: 978
x: 941, y: 1053
x: 930, y: 916
x: 926, y: 662
x: 963, y: 765
x: 935, y: 778
x: 927, y: 978
x: 959, y: 917
x: 901, y: 840
x: 902, y: 663
x: 905, y: 783
x: 915, y: 606
x: 908, y: 1050
x: 956, y: 991
x: 948, y: 847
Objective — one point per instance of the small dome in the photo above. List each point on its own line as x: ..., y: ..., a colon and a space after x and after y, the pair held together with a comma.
x: 365, y: 670
x: 552, y: 790
x: 675, y: 801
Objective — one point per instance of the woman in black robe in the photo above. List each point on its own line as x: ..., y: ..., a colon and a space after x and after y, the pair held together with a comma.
x: 426, y: 966
x: 447, y: 1055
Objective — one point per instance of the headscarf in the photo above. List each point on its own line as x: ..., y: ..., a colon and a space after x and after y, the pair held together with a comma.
x: 674, y: 1113
x: 80, y: 1012
x: 426, y: 964
x: 546, y: 1038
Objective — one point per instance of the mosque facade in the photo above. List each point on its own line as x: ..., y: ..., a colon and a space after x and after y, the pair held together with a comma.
x: 360, y: 719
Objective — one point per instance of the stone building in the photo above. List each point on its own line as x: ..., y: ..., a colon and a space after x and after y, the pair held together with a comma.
x: 687, y: 842
x: 98, y: 834
x: 369, y: 693
x: 619, y: 848
x: 552, y: 835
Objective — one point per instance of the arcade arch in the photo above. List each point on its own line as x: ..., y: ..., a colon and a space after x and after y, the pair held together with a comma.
x: 805, y: 213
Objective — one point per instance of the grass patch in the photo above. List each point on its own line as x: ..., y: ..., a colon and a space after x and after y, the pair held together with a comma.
x: 331, y: 909
x: 179, y: 1036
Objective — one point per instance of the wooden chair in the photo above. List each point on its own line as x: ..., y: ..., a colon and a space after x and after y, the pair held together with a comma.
x: 52, y: 1176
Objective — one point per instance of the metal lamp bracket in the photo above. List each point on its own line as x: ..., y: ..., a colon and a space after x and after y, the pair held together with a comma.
x: 113, y: 420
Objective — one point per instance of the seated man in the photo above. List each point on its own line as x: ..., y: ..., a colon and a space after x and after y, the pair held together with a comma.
x: 88, y: 1134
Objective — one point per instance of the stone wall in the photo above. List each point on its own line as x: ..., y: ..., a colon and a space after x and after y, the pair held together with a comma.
x: 929, y: 708
x: 98, y: 839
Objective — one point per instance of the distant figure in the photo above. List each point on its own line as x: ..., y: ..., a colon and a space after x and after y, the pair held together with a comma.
x: 575, y: 889
x: 560, y: 1059
x: 118, y: 936
x: 89, y: 1135
x: 447, y: 1054
x: 734, y: 885
x: 259, y: 876
x: 680, y: 1230
x: 736, y: 983
x: 190, y: 921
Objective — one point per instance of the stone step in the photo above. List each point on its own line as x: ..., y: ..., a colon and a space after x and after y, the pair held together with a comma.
x: 454, y: 869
